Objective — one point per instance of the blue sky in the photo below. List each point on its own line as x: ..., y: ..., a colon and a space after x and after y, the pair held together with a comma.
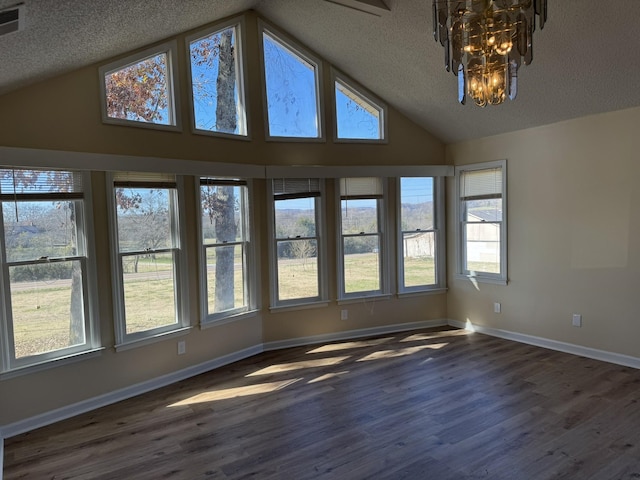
x: 292, y: 108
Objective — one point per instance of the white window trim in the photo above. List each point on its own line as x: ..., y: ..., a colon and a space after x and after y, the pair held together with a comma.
x: 359, y: 90
x: 10, y: 366
x: 439, y: 240
x: 53, y: 363
x: 306, y: 302
x: 383, y: 221
x: 292, y: 45
x: 250, y: 273
x: 168, y: 48
x: 239, y: 24
x: 481, y: 277
x: 123, y: 340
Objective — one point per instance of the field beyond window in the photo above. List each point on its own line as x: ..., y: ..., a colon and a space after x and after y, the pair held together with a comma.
x: 44, y: 263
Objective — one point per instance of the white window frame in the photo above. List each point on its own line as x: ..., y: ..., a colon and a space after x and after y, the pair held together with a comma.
x: 238, y: 24
x: 383, y: 250
x: 320, y: 237
x: 181, y: 292
x: 248, y: 249
x: 304, y: 54
x: 488, y: 277
x: 379, y: 105
x: 439, y: 239
x: 170, y: 50
x: 9, y: 364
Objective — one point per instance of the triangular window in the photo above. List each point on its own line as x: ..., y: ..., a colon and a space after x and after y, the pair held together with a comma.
x: 291, y: 90
x: 357, y: 116
x: 140, y: 88
x: 216, y: 81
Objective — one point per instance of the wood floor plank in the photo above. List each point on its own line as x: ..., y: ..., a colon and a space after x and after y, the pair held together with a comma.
x: 437, y: 403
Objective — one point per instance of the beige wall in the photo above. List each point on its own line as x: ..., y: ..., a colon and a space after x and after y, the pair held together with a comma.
x: 573, y: 233
x: 64, y: 114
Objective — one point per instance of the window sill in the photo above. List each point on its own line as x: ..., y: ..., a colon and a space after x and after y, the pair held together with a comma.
x: 478, y: 279
x: 230, y: 136
x: 299, y: 306
x: 370, y: 141
x: 296, y: 139
x: 121, y: 347
x: 422, y: 293
x: 140, y: 124
x: 47, y: 364
x: 228, y: 319
x: 364, y: 298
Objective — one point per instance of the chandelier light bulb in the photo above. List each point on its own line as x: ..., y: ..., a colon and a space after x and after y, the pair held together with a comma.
x: 485, y: 43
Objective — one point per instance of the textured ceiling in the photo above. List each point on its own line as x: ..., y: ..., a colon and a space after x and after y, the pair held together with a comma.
x: 586, y: 58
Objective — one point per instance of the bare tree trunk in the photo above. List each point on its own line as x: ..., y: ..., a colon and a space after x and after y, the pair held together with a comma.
x: 76, y: 324
x: 225, y: 220
x: 225, y: 232
x: 225, y: 85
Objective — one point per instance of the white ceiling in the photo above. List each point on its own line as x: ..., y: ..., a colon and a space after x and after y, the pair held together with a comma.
x: 587, y: 58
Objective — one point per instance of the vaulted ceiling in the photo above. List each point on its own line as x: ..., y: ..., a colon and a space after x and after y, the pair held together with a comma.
x: 586, y: 58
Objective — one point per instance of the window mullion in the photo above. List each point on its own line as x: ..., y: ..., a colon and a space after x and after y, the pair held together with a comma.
x: 225, y: 244
x: 6, y: 327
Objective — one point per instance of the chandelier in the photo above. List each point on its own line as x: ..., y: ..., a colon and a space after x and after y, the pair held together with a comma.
x: 485, y: 41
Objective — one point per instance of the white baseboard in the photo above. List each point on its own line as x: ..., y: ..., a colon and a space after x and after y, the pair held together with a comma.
x: 84, y: 406
x: 352, y: 334
x: 617, y: 358
x: 69, y: 411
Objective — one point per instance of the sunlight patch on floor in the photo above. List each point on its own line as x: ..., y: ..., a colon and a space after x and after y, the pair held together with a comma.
x: 328, y: 376
x: 287, y: 367
x: 347, y: 345
x: 401, y: 352
x: 421, y: 337
x: 235, y: 392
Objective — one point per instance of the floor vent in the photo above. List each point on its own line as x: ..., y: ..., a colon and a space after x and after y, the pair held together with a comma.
x: 11, y: 19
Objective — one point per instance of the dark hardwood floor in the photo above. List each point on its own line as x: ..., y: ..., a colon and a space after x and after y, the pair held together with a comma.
x: 432, y: 404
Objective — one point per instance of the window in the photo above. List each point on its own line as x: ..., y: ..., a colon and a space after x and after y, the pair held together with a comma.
x: 217, y: 87
x: 297, y: 246
x: 139, y: 90
x: 292, y: 90
x: 362, y: 256
x: 420, y: 264
x: 482, y: 249
x: 225, y: 254
x: 48, y: 274
x: 150, y: 296
x: 357, y: 116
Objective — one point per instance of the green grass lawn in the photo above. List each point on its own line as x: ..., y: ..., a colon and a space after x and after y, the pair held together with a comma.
x: 41, y: 315
x: 41, y: 319
x: 490, y: 267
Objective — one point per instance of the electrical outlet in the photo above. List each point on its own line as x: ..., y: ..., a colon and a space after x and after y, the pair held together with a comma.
x: 576, y: 320
x: 497, y: 308
x: 182, y: 347
x: 344, y: 314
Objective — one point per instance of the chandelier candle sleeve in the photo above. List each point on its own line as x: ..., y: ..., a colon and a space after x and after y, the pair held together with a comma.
x: 485, y: 42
